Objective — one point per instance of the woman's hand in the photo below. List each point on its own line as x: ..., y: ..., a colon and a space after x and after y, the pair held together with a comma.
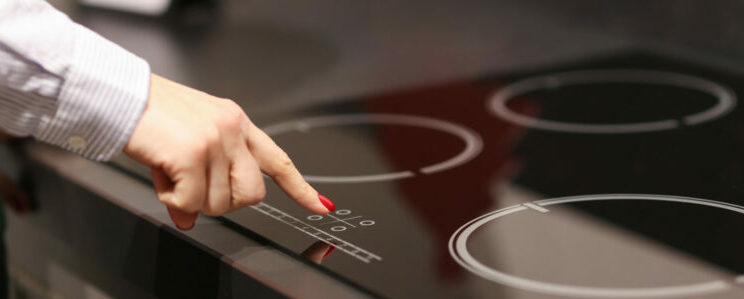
x: 206, y: 156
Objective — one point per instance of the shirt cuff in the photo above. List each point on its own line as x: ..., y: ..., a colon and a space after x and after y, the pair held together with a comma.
x: 104, y: 92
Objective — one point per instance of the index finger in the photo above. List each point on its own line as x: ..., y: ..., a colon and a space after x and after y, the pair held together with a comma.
x: 275, y: 163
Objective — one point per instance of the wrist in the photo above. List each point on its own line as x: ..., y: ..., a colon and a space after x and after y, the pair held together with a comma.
x: 100, y: 101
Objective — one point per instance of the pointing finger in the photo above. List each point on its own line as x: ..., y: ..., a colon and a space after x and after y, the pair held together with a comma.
x: 275, y: 163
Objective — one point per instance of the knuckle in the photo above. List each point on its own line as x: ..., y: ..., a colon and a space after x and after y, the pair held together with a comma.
x: 259, y: 194
x: 197, y: 149
x: 246, y: 123
x: 230, y: 119
x: 209, y: 211
x: 231, y: 110
x: 188, y: 206
x: 251, y: 197
x: 284, y: 165
x: 233, y: 106
x: 168, y: 201
x: 214, y: 211
x: 211, y: 137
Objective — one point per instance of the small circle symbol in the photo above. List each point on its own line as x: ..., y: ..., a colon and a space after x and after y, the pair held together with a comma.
x: 338, y: 228
x: 366, y: 222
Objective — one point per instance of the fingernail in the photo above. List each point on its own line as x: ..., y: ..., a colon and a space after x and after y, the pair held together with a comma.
x: 327, y: 203
x: 328, y: 252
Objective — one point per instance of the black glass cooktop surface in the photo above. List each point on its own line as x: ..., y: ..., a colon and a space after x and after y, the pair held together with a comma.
x: 618, y: 177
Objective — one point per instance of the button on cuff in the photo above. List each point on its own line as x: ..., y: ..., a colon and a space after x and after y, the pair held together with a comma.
x: 77, y: 142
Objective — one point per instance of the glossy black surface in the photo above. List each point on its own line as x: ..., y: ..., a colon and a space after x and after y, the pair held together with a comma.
x: 616, y: 247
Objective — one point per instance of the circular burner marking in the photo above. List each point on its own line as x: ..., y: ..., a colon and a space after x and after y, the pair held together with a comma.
x: 459, y: 251
x: 473, y: 142
x: 725, y: 97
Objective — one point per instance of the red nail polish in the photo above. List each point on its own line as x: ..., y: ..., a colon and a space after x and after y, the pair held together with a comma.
x: 327, y: 203
x: 328, y: 252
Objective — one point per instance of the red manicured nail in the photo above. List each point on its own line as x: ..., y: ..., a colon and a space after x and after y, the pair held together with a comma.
x: 328, y: 252
x: 327, y: 203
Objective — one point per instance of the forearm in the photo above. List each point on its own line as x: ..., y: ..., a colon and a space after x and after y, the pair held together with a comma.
x: 70, y: 87
x: 64, y: 84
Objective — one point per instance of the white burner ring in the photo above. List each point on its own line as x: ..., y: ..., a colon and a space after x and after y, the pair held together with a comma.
x: 459, y: 251
x: 473, y: 142
x: 726, y: 99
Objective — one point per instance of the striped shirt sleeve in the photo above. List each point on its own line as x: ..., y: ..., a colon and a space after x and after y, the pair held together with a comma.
x: 66, y: 85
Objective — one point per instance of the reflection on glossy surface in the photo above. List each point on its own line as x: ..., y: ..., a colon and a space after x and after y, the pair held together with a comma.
x: 318, y: 252
x: 626, y: 245
x: 725, y: 99
x: 212, y: 46
x: 473, y: 142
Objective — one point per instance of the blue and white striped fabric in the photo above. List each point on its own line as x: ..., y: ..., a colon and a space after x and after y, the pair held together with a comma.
x: 66, y: 85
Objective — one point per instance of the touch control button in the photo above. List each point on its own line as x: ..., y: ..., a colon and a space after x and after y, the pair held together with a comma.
x: 77, y: 142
